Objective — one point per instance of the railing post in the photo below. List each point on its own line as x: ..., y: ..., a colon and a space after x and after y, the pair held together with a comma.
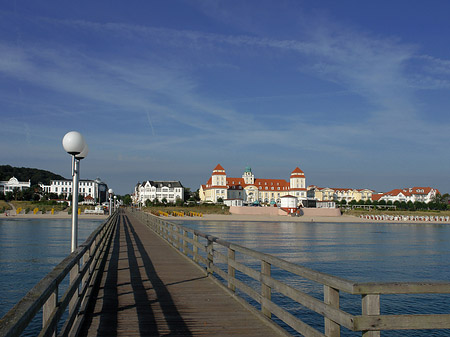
x: 185, y: 245
x: 371, y: 306
x: 265, y: 289
x: 331, y: 297
x: 86, y: 257
x: 73, y: 275
x: 48, y: 308
x: 210, y: 256
x: 231, y: 270
x: 195, y: 248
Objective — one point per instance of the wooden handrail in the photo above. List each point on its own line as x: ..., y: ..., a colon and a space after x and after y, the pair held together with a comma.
x: 44, y: 294
x: 207, y: 254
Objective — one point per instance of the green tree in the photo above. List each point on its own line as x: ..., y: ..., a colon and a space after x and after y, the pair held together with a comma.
x: 126, y: 200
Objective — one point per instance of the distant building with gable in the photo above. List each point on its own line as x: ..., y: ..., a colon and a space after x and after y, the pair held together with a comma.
x: 250, y: 189
x: 151, y: 190
x: 413, y: 194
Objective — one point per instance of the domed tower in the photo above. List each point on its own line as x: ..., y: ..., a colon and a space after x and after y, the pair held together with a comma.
x: 248, y: 176
x: 297, y: 180
x: 219, y: 177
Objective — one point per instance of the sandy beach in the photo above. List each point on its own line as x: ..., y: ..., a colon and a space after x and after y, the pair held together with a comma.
x: 284, y: 218
x: 272, y: 218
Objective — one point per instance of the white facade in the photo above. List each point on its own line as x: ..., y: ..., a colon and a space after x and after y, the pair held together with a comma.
x: 96, y: 189
x: 233, y: 202
x: 11, y: 184
x: 151, y: 190
x: 422, y: 194
x: 289, y: 201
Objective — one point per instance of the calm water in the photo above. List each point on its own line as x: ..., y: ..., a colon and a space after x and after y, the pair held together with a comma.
x: 358, y: 252
x: 30, y: 249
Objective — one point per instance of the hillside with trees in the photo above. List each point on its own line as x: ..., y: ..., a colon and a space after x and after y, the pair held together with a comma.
x: 24, y: 174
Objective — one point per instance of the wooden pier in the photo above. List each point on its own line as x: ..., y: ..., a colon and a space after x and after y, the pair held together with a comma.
x: 141, y: 275
x: 149, y: 289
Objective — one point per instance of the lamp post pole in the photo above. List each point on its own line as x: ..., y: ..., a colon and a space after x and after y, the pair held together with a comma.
x: 74, y: 144
x: 110, y: 191
x: 75, y: 178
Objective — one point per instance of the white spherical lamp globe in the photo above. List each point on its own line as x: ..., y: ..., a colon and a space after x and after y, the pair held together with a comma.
x: 110, y: 191
x: 73, y: 142
x: 83, y: 154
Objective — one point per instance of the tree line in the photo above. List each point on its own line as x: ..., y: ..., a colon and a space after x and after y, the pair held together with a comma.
x: 35, y: 175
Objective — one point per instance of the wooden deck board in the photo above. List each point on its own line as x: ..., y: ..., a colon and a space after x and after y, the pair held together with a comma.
x: 149, y: 289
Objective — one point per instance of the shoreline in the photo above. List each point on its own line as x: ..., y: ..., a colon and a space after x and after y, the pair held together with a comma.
x: 303, y: 218
x: 231, y: 218
x: 57, y: 216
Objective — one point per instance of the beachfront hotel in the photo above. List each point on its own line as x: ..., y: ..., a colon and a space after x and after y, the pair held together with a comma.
x: 250, y: 190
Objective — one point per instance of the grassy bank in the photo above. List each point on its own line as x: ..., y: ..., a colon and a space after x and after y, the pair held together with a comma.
x: 204, y: 209
x: 358, y: 212
x: 44, y: 207
x: 4, y: 206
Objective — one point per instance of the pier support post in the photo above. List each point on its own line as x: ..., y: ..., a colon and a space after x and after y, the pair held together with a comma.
x: 331, y: 297
x: 265, y: 289
x: 371, y: 306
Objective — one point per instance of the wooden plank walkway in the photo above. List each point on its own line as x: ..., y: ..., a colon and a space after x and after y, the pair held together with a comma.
x: 149, y: 289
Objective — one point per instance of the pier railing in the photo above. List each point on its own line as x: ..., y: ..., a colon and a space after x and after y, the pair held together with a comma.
x: 219, y: 259
x: 81, y: 268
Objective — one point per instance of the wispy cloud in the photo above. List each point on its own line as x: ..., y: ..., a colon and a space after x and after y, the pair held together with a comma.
x: 163, y: 94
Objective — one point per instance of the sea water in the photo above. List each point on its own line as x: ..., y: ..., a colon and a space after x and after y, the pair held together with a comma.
x: 29, y: 250
x: 360, y: 252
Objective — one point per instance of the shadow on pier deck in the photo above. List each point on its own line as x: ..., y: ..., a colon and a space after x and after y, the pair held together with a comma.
x: 149, y: 289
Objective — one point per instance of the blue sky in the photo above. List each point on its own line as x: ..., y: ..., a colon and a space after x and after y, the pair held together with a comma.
x: 355, y: 93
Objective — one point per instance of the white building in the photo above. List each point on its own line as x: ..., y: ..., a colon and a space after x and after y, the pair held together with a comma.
x: 95, y: 189
x: 422, y: 194
x: 11, y: 184
x: 151, y: 190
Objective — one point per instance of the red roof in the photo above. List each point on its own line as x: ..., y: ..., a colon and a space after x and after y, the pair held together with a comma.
x: 219, y: 167
x: 297, y: 170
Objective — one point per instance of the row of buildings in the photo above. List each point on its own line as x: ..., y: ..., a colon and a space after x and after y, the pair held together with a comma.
x: 251, y: 190
x: 93, y: 191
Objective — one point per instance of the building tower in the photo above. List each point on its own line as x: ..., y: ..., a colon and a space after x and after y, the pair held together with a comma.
x: 219, y: 177
x: 248, y: 176
x: 297, y: 180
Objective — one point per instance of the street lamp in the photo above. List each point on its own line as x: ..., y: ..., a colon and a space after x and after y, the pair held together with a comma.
x: 75, y: 145
x: 115, y: 203
x: 110, y: 191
